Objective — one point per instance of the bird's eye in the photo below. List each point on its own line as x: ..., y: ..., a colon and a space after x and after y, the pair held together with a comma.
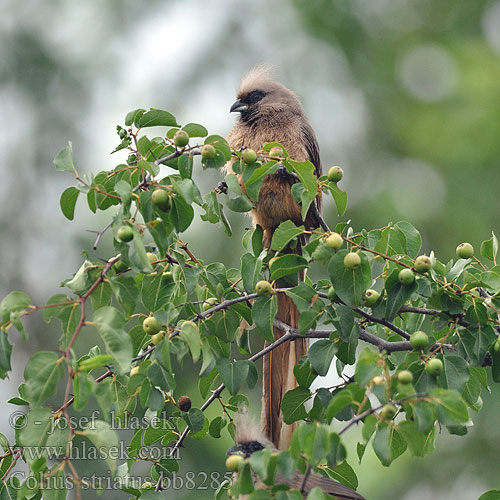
x: 255, y: 96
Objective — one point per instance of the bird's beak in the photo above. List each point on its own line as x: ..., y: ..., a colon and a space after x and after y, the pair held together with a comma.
x: 234, y: 450
x: 238, y: 107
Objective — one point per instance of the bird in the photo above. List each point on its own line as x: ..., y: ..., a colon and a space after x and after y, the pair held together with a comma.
x: 269, y: 111
x: 249, y: 439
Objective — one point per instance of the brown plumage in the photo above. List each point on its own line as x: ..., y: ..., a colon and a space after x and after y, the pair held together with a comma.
x: 271, y: 112
x: 249, y: 439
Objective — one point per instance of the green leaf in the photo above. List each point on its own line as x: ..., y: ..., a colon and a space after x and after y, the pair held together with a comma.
x: 264, y: 310
x: 5, y: 354
x: 156, y: 291
x: 292, y: 404
x: 420, y: 443
x: 133, y: 115
x: 195, y: 419
x: 339, y: 196
x: 306, y: 173
x: 195, y: 130
x: 321, y: 354
x: 232, y: 374
x: 340, y: 401
x: 285, y: 233
x: 13, y: 302
x: 413, y: 238
x: 397, y: 294
x: 109, y: 322
x: 286, y: 265
x: 191, y: 335
x: 251, y: 268
x: 451, y: 408
x: 239, y: 204
x: 42, y: 373
x: 82, y: 389
x: 104, y: 438
x: 156, y: 118
x: 455, y: 373
x: 68, y: 202
x: 64, y: 159
x: 367, y: 367
x: 349, y: 284
x: 185, y: 165
x: 221, y: 145
x: 343, y: 473
x: 490, y: 495
x: 489, y: 248
x: 388, y: 444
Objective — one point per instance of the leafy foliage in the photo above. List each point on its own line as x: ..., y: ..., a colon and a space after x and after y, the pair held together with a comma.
x: 202, y: 308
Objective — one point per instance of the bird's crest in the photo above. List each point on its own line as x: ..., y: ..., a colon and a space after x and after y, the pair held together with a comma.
x: 258, y: 77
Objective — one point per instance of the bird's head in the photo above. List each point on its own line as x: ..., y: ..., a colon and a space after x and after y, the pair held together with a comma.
x: 259, y: 96
x: 248, y: 436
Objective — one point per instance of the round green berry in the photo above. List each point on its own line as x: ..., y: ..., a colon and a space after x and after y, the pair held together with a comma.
x: 422, y: 264
x: 162, y: 199
x: 335, y: 174
x: 406, y: 277
x: 209, y: 303
x: 233, y: 462
x: 332, y: 294
x: 405, y: 377
x: 434, y: 367
x: 208, y: 152
x: 249, y: 156
x: 419, y: 340
x: 334, y: 240
x: 151, y: 325
x: 125, y: 234
x: 181, y: 138
x: 465, y: 251
x: 352, y: 261
x: 263, y: 288
x: 388, y: 412
x: 370, y: 297
x: 276, y: 152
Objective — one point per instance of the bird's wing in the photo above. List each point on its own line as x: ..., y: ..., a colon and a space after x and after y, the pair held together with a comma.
x: 312, y: 147
x: 326, y: 485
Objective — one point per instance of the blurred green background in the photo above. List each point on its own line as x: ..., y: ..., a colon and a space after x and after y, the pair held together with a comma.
x: 403, y: 94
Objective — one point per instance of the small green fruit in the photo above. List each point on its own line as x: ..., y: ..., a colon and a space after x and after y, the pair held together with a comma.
x: 377, y: 380
x: 209, y: 303
x: 405, y: 377
x: 496, y: 345
x: 147, y: 485
x: 352, y: 261
x: 152, y: 257
x: 419, y: 340
x: 181, y: 138
x: 208, y: 152
x: 406, y: 277
x: 120, y: 266
x: 422, y: 264
x: 263, y: 288
x: 151, y: 325
x: 161, y: 199
x: 125, y: 234
x: 334, y: 241
x: 131, y: 159
x: 434, y: 367
x: 184, y: 403
x: 335, y: 174
x: 233, y: 462
x: 249, y: 156
x: 134, y: 370
x: 370, y: 297
x: 465, y: 251
x: 275, y: 152
x: 157, y: 337
x: 332, y: 294
x: 388, y: 412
